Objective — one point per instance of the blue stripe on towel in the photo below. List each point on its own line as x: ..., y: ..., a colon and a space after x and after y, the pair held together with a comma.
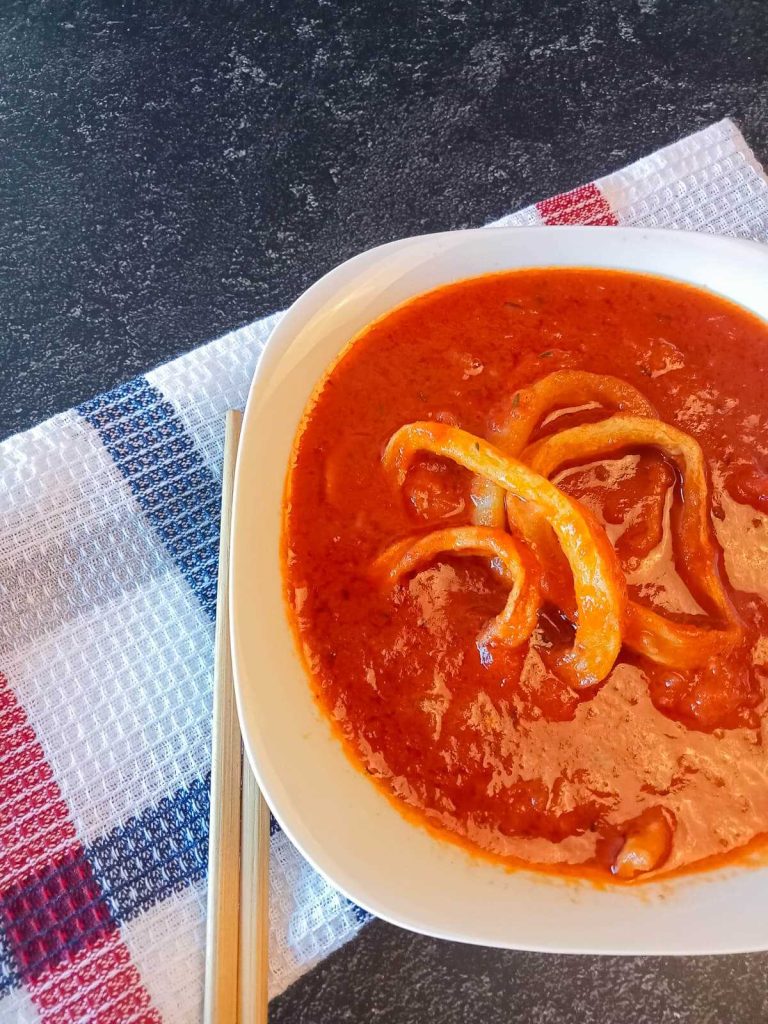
x: 362, y: 915
x: 174, y: 488
x: 9, y: 974
x: 160, y: 851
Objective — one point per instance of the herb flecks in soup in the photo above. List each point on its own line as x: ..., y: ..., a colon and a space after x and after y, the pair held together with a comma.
x: 526, y: 553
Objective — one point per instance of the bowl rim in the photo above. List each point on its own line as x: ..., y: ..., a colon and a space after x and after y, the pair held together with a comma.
x: 330, y: 289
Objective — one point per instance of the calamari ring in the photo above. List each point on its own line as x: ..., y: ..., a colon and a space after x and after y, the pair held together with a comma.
x: 528, y: 407
x: 596, y: 440
x: 647, y: 632
x: 515, y: 623
x: 598, y: 580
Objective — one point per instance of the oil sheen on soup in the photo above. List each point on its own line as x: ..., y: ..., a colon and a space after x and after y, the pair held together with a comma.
x: 526, y: 560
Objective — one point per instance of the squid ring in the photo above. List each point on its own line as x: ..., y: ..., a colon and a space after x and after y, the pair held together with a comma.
x: 647, y: 632
x: 515, y: 623
x: 529, y: 405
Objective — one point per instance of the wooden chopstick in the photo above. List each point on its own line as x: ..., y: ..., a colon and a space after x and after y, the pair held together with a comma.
x: 254, y: 904
x: 223, y: 924
x: 237, y: 933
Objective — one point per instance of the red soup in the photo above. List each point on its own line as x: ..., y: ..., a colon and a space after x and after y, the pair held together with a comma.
x: 526, y: 561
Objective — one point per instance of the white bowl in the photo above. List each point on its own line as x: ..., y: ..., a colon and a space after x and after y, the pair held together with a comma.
x: 339, y: 820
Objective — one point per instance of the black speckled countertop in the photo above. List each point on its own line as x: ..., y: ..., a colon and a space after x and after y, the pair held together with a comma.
x: 171, y: 171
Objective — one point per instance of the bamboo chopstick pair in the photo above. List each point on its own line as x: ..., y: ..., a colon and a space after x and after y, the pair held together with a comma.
x: 237, y: 935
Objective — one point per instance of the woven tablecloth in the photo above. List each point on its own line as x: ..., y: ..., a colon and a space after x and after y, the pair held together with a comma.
x: 108, y: 542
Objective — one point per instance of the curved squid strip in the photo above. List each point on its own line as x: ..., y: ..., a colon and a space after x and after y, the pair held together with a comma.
x: 647, y: 632
x: 530, y: 405
x: 515, y: 623
x: 675, y: 644
x: 598, y: 581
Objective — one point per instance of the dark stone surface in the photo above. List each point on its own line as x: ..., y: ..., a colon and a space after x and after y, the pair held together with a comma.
x: 170, y: 171
x: 394, y: 977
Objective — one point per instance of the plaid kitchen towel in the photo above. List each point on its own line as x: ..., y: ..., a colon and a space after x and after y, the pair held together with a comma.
x: 108, y: 541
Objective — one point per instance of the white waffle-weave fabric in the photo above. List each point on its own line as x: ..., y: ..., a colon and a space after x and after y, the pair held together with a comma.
x: 108, y: 542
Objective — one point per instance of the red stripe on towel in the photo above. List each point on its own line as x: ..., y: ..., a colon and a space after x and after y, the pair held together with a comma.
x: 583, y: 205
x: 60, y: 928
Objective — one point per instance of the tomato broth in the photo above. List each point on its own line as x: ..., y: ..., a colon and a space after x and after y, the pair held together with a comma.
x: 495, y: 744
